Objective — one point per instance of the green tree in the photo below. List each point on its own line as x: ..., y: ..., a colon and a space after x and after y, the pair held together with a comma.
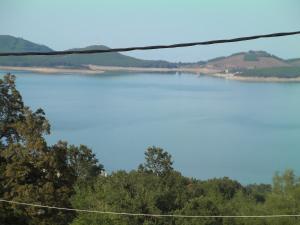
x: 224, y: 188
x: 200, y: 206
x: 31, y: 171
x: 84, y: 163
x: 157, y: 161
x: 11, y: 110
x: 284, y: 198
x: 119, y: 192
x: 11, y: 106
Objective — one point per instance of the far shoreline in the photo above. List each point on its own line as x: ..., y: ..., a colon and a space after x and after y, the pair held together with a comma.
x: 50, y: 70
x: 94, y: 69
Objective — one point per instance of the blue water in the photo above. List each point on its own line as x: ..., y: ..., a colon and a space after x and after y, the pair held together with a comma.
x: 212, y: 127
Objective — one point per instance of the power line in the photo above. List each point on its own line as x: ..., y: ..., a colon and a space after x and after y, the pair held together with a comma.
x: 148, y: 215
x: 151, y: 47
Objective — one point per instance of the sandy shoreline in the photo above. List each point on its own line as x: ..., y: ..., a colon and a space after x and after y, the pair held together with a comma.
x: 93, y: 69
x: 49, y: 70
x: 90, y: 70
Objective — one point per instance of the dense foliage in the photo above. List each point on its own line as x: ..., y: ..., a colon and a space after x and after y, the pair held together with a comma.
x: 31, y: 171
x: 69, y: 176
x: 284, y: 72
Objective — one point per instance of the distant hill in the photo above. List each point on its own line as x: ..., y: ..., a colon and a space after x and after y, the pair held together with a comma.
x: 241, y: 62
x: 257, y: 64
x: 106, y: 59
x: 10, y: 43
x: 248, y: 60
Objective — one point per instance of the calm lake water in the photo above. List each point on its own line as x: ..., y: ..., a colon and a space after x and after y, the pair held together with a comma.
x: 212, y: 127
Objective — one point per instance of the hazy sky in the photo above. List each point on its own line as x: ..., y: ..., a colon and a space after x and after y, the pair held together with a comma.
x: 63, y: 24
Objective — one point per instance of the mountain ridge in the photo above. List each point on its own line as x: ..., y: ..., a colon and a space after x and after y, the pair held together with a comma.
x: 12, y: 44
x: 241, y: 60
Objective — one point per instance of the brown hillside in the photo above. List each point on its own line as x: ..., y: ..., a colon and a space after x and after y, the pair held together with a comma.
x: 248, y: 60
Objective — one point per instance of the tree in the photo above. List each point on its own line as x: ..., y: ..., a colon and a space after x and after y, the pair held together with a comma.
x: 224, y: 187
x: 11, y: 110
x: 158, y: 161
x: 84, y: 163
x: 200, y: 206
x: 31, y: 171
x: 11, y: 106
x: 284, y: 198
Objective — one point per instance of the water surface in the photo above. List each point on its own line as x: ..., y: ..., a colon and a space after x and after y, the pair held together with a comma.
x: 212, y: 127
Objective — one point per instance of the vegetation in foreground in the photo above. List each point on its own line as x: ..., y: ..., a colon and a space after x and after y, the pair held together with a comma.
x: 64, y: 175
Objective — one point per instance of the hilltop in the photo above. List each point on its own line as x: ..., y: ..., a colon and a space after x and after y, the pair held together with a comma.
x: 248, y: 60
x: 9, y: 43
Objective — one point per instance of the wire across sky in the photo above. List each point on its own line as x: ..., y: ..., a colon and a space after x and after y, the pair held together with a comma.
x: 152, y: 47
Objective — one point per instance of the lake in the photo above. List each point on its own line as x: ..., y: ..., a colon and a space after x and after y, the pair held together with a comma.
x: 212, y: 127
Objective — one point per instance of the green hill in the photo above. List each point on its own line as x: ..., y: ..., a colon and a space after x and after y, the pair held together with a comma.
x: 12, y: 44
x: 106, y: 59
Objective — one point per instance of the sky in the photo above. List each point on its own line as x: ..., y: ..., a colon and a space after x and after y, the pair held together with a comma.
x: 64, y: 24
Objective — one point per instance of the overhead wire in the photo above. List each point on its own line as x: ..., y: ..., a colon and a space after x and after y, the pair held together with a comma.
x: 146, y: 214
x: 151, y: 47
